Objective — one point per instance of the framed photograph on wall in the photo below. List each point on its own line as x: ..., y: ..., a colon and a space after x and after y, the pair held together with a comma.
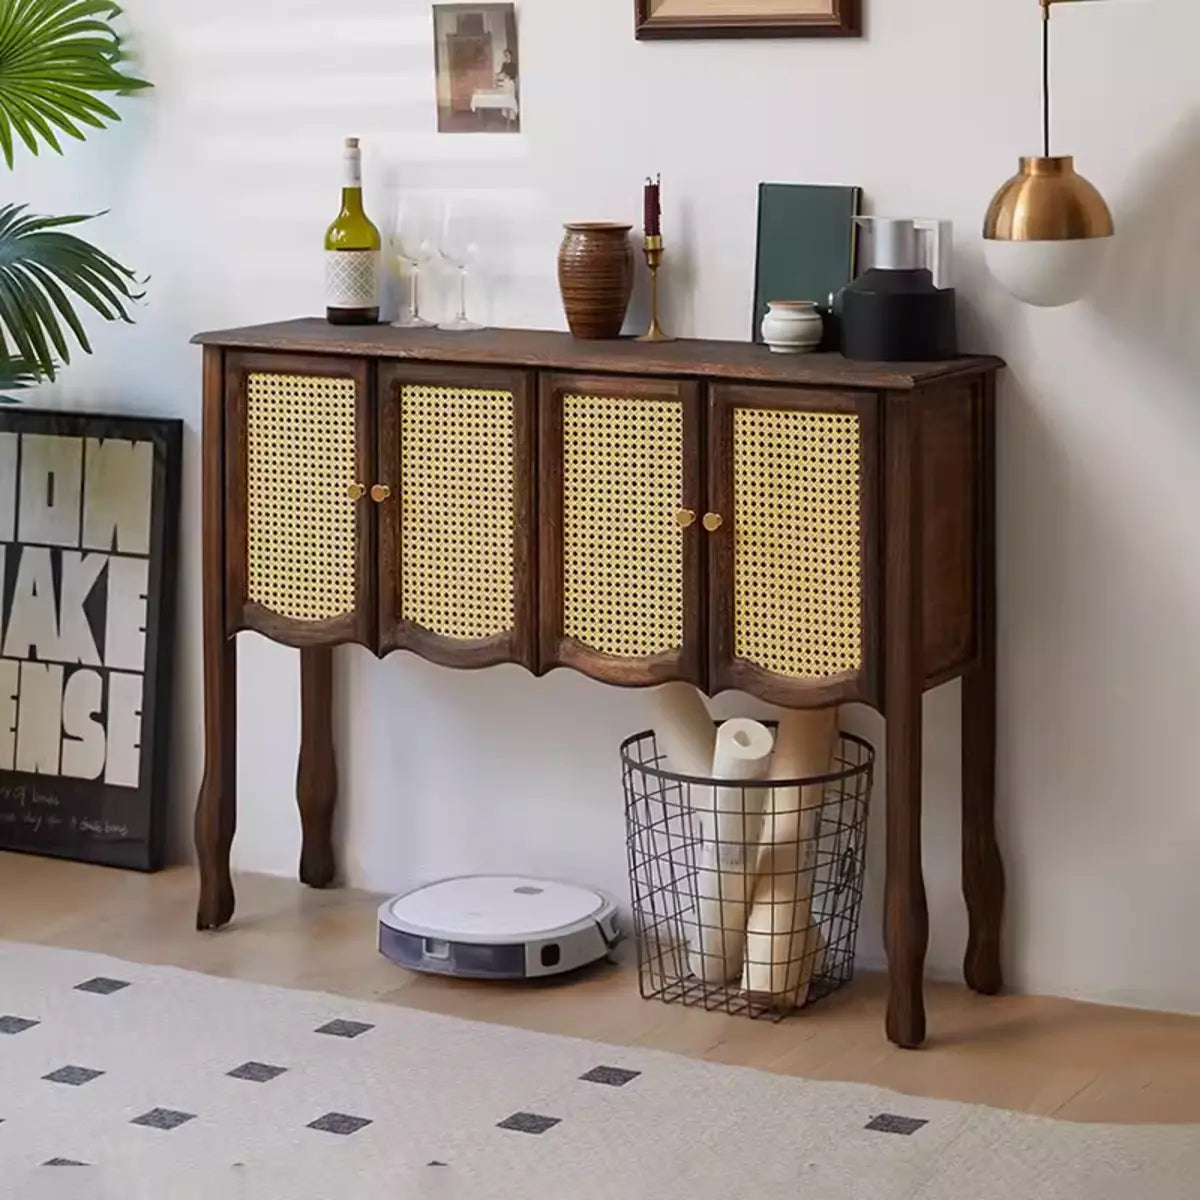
x: 748, y: 18
x: 478, y: 68
x: 89, y: 515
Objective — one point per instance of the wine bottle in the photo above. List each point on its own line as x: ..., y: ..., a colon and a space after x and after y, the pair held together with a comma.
x: 352, y: 254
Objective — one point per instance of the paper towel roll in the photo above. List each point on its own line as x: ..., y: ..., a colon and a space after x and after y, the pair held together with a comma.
x: 683, y: 728
x: 730, y: 824
x: 783, y: 947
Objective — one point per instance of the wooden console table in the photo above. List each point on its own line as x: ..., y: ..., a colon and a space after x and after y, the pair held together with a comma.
x: 808, y: 529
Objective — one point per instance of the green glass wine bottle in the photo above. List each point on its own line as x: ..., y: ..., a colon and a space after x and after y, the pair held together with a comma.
x: 352, y: 254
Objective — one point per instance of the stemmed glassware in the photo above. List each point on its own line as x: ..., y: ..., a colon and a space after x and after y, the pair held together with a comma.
x: 411, y: 248
x: 459, y: 249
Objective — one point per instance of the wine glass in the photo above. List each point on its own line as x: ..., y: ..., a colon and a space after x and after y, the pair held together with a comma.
x: 458, y: 248
x: 411, y: 247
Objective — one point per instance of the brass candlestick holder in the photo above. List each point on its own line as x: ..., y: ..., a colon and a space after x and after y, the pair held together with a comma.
x: 653, y: 249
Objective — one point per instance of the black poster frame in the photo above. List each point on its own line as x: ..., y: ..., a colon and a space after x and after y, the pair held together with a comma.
x: 70, y: 818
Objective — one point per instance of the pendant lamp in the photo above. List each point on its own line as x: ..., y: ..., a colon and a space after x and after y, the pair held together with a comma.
x: 1047, y: 229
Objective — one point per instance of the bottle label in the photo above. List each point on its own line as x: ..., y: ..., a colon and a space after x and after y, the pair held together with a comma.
x: 352, y: 278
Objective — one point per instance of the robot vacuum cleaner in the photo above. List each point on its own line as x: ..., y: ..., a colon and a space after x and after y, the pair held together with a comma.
x: 498, y: 927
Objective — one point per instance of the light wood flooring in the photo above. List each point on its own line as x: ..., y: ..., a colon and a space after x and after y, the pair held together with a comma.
x: 1048, y: 1056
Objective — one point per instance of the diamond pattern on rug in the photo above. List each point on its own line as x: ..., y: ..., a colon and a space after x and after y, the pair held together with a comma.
x: 63, y: 1162
x: 524, y: 1122
x: 890, y: 1123
x: 344, y: 1029
x: 433, y: 1081
x: 341, y: 1123
x: 16, y: 1024
x: 74, y: 1076
x: 163, y: 1118
x: 102, y: 985
x: 612, y: 1076
x: 256, y: 1072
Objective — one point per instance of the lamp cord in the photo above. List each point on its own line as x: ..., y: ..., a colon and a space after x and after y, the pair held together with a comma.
x: 1046, y: 79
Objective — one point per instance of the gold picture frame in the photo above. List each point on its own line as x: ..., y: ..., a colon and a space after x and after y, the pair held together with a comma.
x: 747, y: 18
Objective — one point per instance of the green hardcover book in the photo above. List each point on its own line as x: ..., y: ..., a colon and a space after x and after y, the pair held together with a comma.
x: 806, y: 245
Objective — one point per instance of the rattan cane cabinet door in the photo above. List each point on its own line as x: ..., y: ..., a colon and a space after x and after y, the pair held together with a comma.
x: 620, y: 479
x: 300, y: 447
x: 793, y: 476
x: 454, y: 494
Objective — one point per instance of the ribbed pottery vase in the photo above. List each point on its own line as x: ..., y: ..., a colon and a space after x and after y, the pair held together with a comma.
x: 595, y: 276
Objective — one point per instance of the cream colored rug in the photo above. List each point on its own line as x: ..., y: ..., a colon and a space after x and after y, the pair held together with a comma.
x: 171, y: 1086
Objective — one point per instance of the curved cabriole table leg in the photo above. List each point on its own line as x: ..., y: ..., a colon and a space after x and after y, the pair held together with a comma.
x: 906, y: 916
x: 216, y: 810
x: 316, y: 776
x: 982, y: 866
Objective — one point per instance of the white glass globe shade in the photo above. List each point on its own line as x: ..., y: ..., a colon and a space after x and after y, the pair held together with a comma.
x: 1046, y: 273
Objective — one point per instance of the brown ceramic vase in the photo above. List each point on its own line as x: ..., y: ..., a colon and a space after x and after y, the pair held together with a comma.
x: 595, y: 276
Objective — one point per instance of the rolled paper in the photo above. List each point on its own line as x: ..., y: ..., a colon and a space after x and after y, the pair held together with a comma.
x: 686, y: 736
x: 784, y: 948
x: 730, y: 824
x: 683, y: 729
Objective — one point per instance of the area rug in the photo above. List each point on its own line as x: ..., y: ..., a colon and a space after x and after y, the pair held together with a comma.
x: 123, y: 1082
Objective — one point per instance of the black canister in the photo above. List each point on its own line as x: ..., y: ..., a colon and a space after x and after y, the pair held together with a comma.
x: 895, y: 311
x: 898, y: 316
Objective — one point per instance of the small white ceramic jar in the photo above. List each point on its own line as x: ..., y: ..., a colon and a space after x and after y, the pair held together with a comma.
x: 792, y: 326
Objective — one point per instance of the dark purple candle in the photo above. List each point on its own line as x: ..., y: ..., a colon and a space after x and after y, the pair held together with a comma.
x: 653, y: 216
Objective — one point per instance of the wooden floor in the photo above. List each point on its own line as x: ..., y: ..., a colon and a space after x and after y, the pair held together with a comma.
x: 1048, y: 1056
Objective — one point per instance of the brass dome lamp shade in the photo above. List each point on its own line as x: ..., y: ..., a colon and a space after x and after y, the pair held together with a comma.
x: 1047, y: 229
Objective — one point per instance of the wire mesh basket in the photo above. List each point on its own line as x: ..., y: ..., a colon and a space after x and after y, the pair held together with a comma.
x: 746, y: 897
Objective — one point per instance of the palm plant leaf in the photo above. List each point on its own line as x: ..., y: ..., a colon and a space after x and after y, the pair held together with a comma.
x: 39, y: 265
x: 55, y: 55
x: 15, y: 376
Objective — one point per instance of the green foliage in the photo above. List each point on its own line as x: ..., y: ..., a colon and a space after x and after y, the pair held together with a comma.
x: 16, y: 375
x: 37, y: 262
x: 57, y: 57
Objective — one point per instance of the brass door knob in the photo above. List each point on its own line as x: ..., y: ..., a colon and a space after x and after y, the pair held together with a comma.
x: 380, y: 492
x: 685, y: 517
x: 713, y: 522
x: 356, y: 491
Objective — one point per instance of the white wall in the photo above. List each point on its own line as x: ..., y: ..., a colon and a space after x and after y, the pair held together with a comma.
x: 221, y: 182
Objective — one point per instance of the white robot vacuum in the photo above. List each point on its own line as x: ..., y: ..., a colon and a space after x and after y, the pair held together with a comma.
x: 498, y: 927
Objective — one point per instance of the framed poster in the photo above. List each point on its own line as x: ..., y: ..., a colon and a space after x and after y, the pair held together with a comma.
x: 748, y: 18
x: 477, y: 64
x: 89, y: 513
